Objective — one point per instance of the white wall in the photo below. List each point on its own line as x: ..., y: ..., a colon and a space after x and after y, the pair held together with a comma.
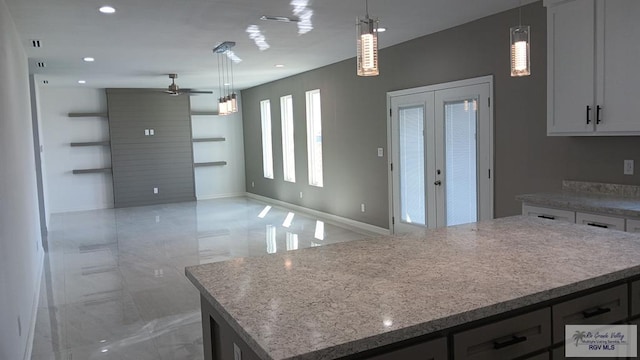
x: 20, y: 241
x: 66, y: 191
x: 217, y: 181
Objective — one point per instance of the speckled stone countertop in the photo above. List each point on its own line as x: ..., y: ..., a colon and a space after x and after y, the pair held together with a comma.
x: 611, y: 199
x: 341, y: 299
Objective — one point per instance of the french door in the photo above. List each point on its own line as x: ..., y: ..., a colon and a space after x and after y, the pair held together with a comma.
x: 441, y: 154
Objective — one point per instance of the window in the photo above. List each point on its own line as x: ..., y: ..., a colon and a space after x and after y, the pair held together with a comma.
x: 314, y: 137
x: 288, y: 154
x: 267, y: 151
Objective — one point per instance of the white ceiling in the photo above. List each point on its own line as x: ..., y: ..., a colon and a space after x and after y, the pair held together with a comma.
x: 147, y: 39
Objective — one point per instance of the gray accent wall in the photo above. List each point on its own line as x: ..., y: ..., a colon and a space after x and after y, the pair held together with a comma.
x: 20, y: 239
x: 139, y: 162
x: 355, y: 122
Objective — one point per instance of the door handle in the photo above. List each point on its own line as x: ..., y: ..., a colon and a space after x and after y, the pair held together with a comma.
x: 437, y: 182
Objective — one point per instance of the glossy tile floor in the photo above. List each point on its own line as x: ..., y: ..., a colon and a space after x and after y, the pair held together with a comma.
x: 113, y: 285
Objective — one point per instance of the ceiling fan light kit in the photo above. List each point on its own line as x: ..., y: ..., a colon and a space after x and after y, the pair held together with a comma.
x: 174, y: 90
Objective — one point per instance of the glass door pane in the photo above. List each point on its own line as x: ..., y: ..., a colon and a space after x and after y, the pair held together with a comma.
x: 461, y: 161
x: 412, y: 163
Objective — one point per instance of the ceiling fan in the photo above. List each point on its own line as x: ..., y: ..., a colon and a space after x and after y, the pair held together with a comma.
x: 173, y: 89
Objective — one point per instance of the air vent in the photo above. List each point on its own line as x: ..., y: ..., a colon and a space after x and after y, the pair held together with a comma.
x: 41, y: 64
x: 285, y: 19
x: 36, y: 43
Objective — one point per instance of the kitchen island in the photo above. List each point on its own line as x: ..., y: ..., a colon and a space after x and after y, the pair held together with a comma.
x: 450, y: 291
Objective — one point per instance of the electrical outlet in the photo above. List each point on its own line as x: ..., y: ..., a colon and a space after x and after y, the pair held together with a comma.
x: 628, y: 167
x: 155, y: 190
x: 362, y: 207
x: 152, y: 132
x: 237, y: 353
x: 253, y: 184
x: 300, y: 194
x: 157, y: 218
x: 380, y: 152
x: 146, y: 132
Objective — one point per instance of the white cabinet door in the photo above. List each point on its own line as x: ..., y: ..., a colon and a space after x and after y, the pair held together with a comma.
x: 601, y: 221
x: 571, y: 68
x: 618, y: 59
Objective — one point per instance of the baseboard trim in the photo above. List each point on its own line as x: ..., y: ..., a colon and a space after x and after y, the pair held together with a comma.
x: 221, y: 196
x: 339, y: 220
x: 34, y: 308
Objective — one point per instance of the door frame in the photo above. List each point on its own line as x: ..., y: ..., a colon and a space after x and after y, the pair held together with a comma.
x: 435, y: 87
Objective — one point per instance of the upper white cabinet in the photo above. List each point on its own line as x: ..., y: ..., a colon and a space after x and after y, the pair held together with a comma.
x: 592, y: 58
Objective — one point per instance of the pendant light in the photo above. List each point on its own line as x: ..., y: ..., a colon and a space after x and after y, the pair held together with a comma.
x: 227, y: 103
x: 367, y: 44
x: 520, y: 48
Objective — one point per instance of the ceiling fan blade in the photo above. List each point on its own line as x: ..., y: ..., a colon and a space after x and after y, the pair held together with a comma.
x: 197, y: 91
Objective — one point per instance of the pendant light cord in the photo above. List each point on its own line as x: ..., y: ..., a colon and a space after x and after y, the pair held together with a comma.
x: 520, y: 14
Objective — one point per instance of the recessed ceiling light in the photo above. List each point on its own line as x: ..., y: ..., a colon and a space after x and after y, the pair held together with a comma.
x: 89, y: 59
x: 279, y: 65
x: 107, y: 9
x: 82, y: 81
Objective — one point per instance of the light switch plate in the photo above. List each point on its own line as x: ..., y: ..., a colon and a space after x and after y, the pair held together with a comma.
x: 155, y: 190
x: 380, y: 152
x: 152, y: 132
x: 146, y: 132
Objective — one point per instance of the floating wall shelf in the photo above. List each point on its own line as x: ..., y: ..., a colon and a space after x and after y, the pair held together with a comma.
x: 196, y: 113
x: 91, y: 143
x: 209, y: 139
x: 214, y: 163
x: 92, y: 171
x: 81, y: 115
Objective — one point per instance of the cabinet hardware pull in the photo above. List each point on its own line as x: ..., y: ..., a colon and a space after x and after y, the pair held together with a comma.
x: 514, y: 340
x: 598, y: 225
x: 437, y: 182
x: 547, y: 217
x: 588, y: 111
x: 595, y: 312
x: 598, y: 108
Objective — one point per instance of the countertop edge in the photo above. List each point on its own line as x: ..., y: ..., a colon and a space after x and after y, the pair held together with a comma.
x: 548, y: 200
x: 425, y: 328
x: 227, y: 317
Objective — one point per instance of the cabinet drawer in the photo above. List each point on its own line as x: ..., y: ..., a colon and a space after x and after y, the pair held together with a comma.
x: 548, y: 213
x: 506, y: 339
x: 635, y: 298
x: 543, y: 356
x: 603, y: 307
x: 602, y: 221
x: 633, y: 226
x: 430, y: 350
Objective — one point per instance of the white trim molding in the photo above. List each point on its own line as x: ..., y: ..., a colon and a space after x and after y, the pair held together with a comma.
x: 350, y: 224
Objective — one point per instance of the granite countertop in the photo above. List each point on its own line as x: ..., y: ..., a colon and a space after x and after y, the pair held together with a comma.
x: 611, y: 199
x: 340, y: 299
